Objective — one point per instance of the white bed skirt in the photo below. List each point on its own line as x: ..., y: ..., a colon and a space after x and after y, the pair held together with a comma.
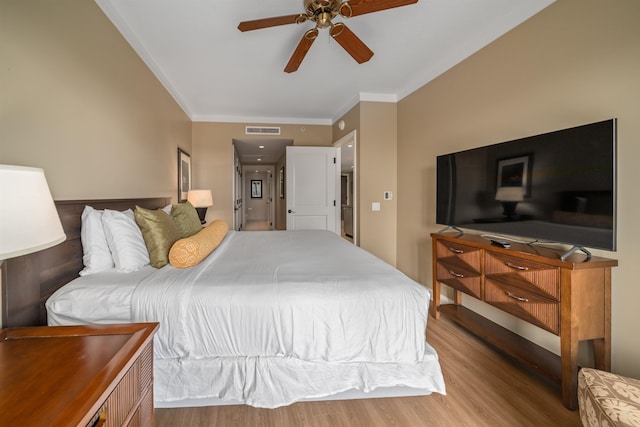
x: 352, y: 394
x: 271, y: 382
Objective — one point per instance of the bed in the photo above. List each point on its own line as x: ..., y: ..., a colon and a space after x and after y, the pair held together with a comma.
x: 268, y: 319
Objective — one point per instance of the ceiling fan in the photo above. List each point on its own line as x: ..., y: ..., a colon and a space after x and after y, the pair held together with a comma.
x: 322, y: 12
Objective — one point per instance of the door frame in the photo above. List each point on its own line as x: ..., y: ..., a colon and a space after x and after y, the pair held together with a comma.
x: 237, y: 193
x: 352, y: 138
x: 268, y: 190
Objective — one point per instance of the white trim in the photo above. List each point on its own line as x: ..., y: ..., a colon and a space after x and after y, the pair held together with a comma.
x: 364, y: 96
x: 378, y: 97
x: 266, y: 120
x: 352, y: 137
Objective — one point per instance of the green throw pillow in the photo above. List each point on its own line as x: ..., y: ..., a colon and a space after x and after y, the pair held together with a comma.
x: 186, y: 219
x: 159, y: 233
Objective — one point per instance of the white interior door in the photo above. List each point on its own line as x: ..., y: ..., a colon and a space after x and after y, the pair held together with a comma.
x: 313, y: 188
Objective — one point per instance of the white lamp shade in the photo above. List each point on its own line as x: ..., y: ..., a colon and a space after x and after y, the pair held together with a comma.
x: 29, y: 220
x: 200, y: 198
x: 510, y: 194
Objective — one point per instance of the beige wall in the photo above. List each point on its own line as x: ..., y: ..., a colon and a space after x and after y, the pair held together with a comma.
x: 377, y: 148
x: 575, y: 62
x: 376, y: 126
x: 212, y: 157
x: 78, y: 102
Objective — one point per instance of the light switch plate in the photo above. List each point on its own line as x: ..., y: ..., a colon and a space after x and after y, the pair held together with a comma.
x: 375, y: 206
x: 388, y: 195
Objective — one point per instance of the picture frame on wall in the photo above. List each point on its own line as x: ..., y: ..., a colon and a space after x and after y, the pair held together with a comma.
x: 256, y: 189
x: 516, y: 172
x: 184, y: 175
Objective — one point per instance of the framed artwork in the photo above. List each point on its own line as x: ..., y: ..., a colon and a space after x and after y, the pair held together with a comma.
x: 282, y: 182
x: 184, y: 175
x: 516, y: 172
x: 256, y: 189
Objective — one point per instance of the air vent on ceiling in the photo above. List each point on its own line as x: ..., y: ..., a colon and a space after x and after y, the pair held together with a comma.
x: 257, y: 130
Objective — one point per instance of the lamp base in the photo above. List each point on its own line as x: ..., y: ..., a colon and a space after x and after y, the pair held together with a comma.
x: 202, y: 213
x: 509, y: 209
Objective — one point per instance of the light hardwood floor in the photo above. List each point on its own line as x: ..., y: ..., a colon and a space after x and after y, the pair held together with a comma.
x: 483, y: 389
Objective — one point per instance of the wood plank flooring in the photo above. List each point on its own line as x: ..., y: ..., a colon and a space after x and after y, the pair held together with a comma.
x: 483, y: 389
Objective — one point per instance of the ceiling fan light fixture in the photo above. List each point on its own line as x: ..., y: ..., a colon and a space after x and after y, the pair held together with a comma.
x: 322, y: 13
x: 323, y: 20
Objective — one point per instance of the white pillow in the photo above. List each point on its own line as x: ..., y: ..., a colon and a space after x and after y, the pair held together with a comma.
x: 125, y: 240
x: 96, y: 255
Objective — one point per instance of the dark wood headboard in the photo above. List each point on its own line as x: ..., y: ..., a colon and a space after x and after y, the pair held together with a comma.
x: 30, y: 279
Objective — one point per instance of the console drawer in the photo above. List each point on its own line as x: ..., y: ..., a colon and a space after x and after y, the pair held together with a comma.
x: 459, y: 275
x: 468, y: 254
x: 520, y: 301
x: 459, y: 266
x: 533, y: 277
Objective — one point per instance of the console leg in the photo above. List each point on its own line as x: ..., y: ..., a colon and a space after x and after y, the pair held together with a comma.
x: 435, y: 300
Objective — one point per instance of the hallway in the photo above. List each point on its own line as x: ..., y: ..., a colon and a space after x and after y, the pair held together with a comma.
x: 256, y: 225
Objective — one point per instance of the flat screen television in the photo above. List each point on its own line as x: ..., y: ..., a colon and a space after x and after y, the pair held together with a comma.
x: 555, y: 187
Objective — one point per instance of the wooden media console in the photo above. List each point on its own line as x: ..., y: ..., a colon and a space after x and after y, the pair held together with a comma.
x: 570, y: 298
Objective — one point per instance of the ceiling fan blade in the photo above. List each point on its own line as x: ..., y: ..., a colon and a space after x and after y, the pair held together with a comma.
x: 360, y: 7
x: 301, y: 51
x: 271, y: 22
x: 351, y: 43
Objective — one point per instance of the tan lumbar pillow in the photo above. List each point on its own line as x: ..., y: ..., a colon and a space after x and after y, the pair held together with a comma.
x: 190, y: 251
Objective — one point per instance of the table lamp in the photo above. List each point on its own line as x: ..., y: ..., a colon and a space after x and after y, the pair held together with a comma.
x: 29, y: 220
x: 509, y: 197
x: 201, y: 200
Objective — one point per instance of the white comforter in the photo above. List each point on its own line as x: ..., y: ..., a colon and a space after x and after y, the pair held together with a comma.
x: 273, y: 317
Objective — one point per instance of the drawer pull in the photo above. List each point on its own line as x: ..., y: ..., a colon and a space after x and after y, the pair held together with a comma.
x: 517, y: 267
x: 515, y: 297
x: 453, y: 273
x: 456, y: 251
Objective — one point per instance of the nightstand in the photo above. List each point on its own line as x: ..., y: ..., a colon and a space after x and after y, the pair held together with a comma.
x: 97, y: 375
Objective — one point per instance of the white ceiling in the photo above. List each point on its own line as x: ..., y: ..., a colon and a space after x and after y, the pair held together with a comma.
x: 260, y: 151
x: 217, y: 73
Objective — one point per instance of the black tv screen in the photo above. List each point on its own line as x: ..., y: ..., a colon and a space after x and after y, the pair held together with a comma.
x: 559, y: 187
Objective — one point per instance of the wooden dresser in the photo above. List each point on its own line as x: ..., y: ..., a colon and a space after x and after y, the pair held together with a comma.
x: 99, y: 375
x: 570, y: 298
